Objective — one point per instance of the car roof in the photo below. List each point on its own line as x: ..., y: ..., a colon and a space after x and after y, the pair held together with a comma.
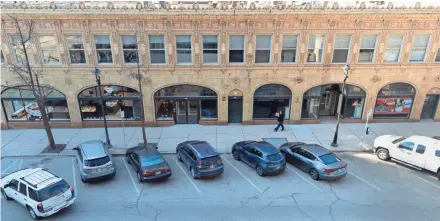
x: 144, y: 151
x: 93, y: 149
x: 316, y: 149
x: 202, y: 148
x: 265, y: 147
x: 37, y: 178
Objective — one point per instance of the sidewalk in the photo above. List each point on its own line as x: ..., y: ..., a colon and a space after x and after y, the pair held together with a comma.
x: 30, y: 142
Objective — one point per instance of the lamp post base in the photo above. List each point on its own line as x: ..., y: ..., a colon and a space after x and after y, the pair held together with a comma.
x: 334, y: 144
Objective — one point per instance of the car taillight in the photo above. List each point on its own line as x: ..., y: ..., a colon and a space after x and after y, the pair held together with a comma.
x: 40, y: 207
x: 199, y: 165
x: 87, y: 170
x: 149, y: 173
x: 329, y: 170
x: 110, y: 164
x: 165, y: 170
x: 345, y: 166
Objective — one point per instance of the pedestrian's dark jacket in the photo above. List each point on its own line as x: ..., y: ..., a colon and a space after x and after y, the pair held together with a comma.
x: 280, y: 118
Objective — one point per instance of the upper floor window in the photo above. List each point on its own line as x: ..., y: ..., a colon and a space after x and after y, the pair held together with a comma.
x: 76, y: 49
x: 236, y: 49
x: 103, y: 49
x: 392, y: 55
x: 183, y: 49
x: 368, y: 47
x: 210, y: 49
x: 437, y: 58
x: 157, y: 49
x: 315, y: 49
x: 418, y: 53
x: 49, y: 51
x: 342, y: 48
x: 129, y: 47
x: 290, y: 45
x: 262, y: 50
x: 18, y: 51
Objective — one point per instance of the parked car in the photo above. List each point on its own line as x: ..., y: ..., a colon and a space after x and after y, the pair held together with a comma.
x: 40, y: 191
x: 416, y: 151
x: 200, y: 158
x: 263, y: 156
x: 314, y: 159
x: 148, y: 163
x: 94, y: 161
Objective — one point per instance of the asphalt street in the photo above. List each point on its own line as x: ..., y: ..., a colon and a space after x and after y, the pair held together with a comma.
x: 373, y: 190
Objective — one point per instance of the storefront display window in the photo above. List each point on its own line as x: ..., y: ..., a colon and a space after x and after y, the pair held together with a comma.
x: 394, y: 101
x: 116, y: 99
x: 185, y: 104
x: 270, y: 99
x: 20, y: 105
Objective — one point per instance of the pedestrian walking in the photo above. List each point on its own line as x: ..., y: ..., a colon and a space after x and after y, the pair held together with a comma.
x: 280, y: 120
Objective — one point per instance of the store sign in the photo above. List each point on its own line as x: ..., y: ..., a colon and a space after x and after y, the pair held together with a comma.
x: 393, y: 106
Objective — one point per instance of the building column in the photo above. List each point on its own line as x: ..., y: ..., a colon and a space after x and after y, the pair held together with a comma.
x: 74, y: 110
x: 418, y: 102
x: 370, y: 103
x: 295, y: 112
x: 222, y: 110
x: 247, y: 109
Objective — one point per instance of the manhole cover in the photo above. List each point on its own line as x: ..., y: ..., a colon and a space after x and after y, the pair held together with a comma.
x: 276, y: 142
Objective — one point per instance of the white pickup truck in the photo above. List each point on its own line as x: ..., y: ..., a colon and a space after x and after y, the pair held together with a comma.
x: 417, y: 151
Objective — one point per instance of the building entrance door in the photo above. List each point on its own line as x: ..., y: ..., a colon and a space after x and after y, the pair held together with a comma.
x: 188, y: 112
x: 235, y: 110
x: 430, y: 106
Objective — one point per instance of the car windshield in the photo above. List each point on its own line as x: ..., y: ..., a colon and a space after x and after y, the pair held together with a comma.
x: 329, y: 158
x: 97, y: 162
x: 52, y: 190
x: 398, y: 140
x: 273, y: 157
x: 152, y: 160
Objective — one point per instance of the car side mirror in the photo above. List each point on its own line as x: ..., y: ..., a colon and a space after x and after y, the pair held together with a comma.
x: 75, y: 148
x: 6, y: 186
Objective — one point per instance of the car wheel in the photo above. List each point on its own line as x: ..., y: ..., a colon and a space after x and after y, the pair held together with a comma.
x: 260, y: 171
x: 139, y: 177
x: 32, y: 213
x: 314, y: 174
x: 5, y: 195
x: 128, y: 160
x: 383, y: 154
x: 236, y: 155
x: 83, y: 180
x: 438, y: 174
x: 178, y: 156
x: 193, y: 173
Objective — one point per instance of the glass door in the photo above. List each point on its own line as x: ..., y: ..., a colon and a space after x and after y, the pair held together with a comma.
x: 181, y: 112
x: 430, y: 106
x: 193, y: 112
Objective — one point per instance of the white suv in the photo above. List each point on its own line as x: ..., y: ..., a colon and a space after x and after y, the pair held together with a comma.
x: 416, y: 151
x: 40, y: 191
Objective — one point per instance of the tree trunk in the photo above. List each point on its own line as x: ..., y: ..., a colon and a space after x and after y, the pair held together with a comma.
x: 47, y: 128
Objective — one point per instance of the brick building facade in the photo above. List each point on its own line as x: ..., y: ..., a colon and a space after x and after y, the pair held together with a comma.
x: 219, y: 63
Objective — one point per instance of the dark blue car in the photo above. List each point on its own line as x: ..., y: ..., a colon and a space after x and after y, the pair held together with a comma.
x: 265, y: 158
x: 200, y: 158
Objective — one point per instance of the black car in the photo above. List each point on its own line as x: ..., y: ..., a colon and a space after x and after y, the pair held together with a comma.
x: 148, y: 163
x: 200, y: 158
x: 263, y: 156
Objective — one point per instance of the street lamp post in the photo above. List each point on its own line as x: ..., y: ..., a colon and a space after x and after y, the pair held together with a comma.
x: 97, y: 74
x: 335, y: 137
x: 138, y: 76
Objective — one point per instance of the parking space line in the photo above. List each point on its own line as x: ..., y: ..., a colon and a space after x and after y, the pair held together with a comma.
x: 131, y: 177
x: 408, y: 171
x: 305, y: 179
x: 195, y: 186
x: 375, y: 187
x: 12, y: 164
x: 224, y: 158
x: 20, y: 164
x: 74, y: 177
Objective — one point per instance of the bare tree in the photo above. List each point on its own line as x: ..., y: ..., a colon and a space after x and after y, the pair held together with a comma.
x: 21, y: 66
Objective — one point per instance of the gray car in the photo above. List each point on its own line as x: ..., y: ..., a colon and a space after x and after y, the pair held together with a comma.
x: 314, y: 159
x: 94, y: 161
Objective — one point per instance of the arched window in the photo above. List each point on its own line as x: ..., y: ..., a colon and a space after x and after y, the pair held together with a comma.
x: 20, y: 105
x: 270, y: 99
x: 117, y: 100
x: 394, y: 101
x: 185, y: 104
x: 323, y: 101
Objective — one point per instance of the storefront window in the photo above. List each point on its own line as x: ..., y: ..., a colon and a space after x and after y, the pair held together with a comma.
x: 116, y: 99
x: 270, y: 99
x: 20, y: 105
x: 185, y: 104
x: 394, y: 101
